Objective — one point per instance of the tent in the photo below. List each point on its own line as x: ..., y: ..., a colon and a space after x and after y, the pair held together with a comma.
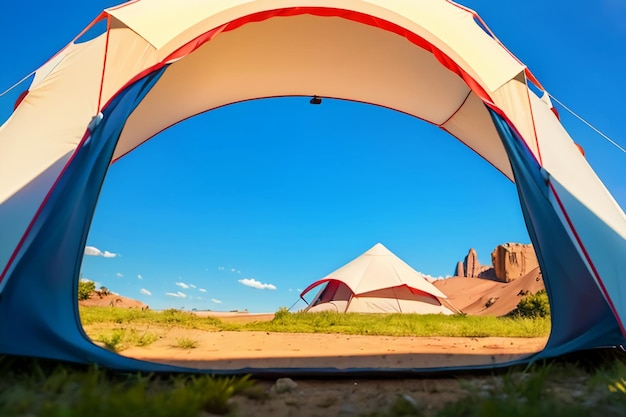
x: 376, y: 282
x: 101, y: 97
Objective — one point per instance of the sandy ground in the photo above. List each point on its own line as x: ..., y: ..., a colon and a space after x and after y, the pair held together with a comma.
x: 262, y: 350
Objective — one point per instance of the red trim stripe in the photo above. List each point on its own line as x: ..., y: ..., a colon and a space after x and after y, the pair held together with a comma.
x: 354, y: 16
x: 605, y: 293
x: 20, y: 98
x: 41, y: 207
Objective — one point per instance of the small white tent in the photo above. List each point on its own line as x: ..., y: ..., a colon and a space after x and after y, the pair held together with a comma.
x: 376, y: 282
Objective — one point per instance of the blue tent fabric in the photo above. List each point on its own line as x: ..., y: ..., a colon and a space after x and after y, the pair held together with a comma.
x: 580, y: 315
x: 44, y: 276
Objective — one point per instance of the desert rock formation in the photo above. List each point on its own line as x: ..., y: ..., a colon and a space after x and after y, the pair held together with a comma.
x: 513, y: 260
x: 460, y: 270
x: 471, y: 268
x: 510, y: 261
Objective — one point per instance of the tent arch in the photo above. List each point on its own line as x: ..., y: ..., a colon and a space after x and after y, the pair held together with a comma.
x: 329, y: 53
x: 46, y: 203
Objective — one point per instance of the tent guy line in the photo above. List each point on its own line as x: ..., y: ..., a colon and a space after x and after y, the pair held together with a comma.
x: 598, y: 131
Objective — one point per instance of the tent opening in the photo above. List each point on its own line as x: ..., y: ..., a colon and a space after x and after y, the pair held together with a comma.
x: 232, y: 213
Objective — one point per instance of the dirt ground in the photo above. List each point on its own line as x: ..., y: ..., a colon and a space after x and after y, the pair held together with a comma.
x: 343, y: 393
x: 262, y: 350
x: 351, y: 397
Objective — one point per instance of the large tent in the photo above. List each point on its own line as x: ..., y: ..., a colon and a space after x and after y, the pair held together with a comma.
x: 161, y: 61
x: 377, y: 281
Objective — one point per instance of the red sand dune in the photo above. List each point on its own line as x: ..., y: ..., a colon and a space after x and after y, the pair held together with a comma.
x: 111, y: 300
x: 472, y: 295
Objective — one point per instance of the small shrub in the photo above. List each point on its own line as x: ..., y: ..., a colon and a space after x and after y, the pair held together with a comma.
x: 186, y: 343
x: 112, y: 341
x: 119, y: 339
x: 281, y: 314
x: 146, y: 339
x: 533, y: 306
x: 85, y: 288
x: 217, y: 392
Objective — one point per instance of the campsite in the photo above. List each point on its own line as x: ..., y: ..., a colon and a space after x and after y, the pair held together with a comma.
x: 203, y: 163
x: 374, y: 312
x: 458, y: 77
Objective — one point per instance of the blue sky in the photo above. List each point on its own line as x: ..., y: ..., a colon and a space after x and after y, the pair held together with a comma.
x: 243, y: 206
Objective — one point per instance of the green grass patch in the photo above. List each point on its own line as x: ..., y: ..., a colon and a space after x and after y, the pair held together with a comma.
x: 545, y: 390
x: 108, y: 320
x: 186, y: 343
x: 120, y: 328
x: 118, y: 339
x: 28, y: 388
x: 402, y: 325
x: 550, y: 389
x: 165, y: 318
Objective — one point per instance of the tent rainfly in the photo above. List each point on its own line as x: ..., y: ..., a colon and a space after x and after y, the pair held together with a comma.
x: 376, y: 282
x: 159, y: 62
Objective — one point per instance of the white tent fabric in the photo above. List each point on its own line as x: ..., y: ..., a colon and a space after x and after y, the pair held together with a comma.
x: 377, y: 282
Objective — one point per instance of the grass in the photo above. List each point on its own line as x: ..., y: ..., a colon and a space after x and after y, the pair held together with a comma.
x: 549, y: 389
x: 592, y: 386
x: 165, y: 318
x: 37, y: 388
x: 122, y: 338
x: 403, y: 325
x: 119, y: 328
x: 186, y: 343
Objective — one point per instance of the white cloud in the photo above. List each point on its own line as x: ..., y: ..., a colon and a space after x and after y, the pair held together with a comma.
x: 251, y: 282
x: 119, y: 275
x: 145, y: 292
x: 85, y: 280
x: 139, y: 276
x: 431, y: 278
x: 216, y: 301
x: 182, y: 285
x: 201, y: 290
x: 192, y: 286
x: 220, y: 268
x: 299, y: 289
x: 176, y: 294
x: 93, y: 251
